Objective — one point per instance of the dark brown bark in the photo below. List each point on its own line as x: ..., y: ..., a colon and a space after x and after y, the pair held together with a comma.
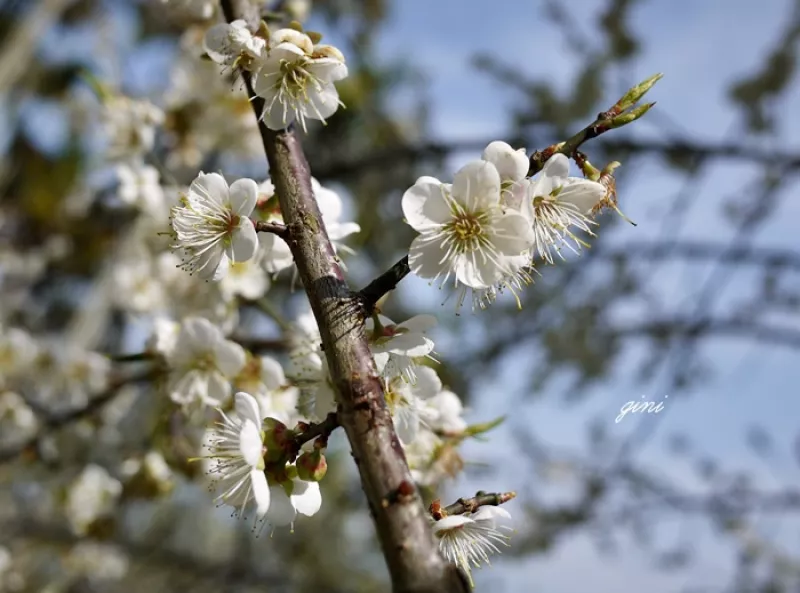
x: 402, y: 524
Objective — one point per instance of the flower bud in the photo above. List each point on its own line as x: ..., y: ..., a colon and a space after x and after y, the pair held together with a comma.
x: 311, y: 466
x: 278, y: 439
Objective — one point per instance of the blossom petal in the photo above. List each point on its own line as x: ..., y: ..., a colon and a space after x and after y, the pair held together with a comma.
x: 451, y: 522
x: 217, y: 42
x: 512, y: 165
x: 513, y: 234
x: 583, y: 193
x: 261, y: 492
x: 244, y: 241
x: 476, y: 186
x: 306, y: 497
x: 230, y: 357
x: 476, y: 272
x: 211, y: 186
x: 250, y: 443
x: 221, y: 269
x: 247, y: 408
x: 216, y: 389
x: 322, y: 102
x: 243, y: 196
x: 272, y: 374
x: 328, y: 69
x: 556, y: 166
x: 424, y: 204
x: 427, y: 383
x: 420, y: 323
x: 425, y: 257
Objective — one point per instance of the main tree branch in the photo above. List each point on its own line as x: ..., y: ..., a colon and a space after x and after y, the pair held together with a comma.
x: 411, y: 553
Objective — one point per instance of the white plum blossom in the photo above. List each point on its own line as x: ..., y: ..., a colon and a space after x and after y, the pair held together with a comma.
x: 557, y: 205
x: 247, y: 279
x: 468, y: 540
x: 236, y: 454
x: 293, y: 497
x: 163, y: 336
x: 18, y: 422
x: 276, y: 253
x: 443, y: 412
x: 212, y: 225
x: 17, y: 352
x: 407, y: 400
x: 202, y: 364
x: 224, y: 43
x: 465, y: 231
x: 93, y: 495
x: 395, y: 347
x: 263, y: 377
x: 296, y: 80
x: 65, y: 376
x: 139, y: 186
x: 130, y: 125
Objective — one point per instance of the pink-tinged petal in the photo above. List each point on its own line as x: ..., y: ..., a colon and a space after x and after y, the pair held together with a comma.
x: 424, y: 204
x: 244, y: 194
x: 427, y: 383
x: 512, y: 165
x: 261, y: 492
x: 230, y: 357
x: 281, y: 512
x: 250, y: 443
x: 323, y: 102
x: 557, y: 166
x: 247, y: 408
x: 306, y: 497
x: 513, y: 234
x: 583, y: 193
x: 244, y: 241
x: 211, y: 186
x: 476, y: 186
x: 425, y: 257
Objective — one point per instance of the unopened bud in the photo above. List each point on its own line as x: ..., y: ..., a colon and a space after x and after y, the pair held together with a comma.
x: 311, y: 466
x: 636, y: 93
x: 630, y: 116
x: 278, y: 439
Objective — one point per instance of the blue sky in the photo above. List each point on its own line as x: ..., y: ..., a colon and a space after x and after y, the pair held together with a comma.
x: 702, y: 46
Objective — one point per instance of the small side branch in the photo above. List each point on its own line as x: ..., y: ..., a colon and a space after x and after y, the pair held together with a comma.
x: 470, y: 505
x: 321, y: 430
x: 271, y: 227
x: 621, y: 113
x: 386, y: 282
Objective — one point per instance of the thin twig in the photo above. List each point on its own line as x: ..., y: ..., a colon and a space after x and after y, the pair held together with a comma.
x: 470, y: 505
x: 271, y: 227
x: 384, y: 283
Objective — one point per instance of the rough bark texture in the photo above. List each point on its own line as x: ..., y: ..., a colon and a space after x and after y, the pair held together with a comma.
x: 400, y: 518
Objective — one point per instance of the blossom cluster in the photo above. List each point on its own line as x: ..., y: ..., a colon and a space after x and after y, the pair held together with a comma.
x: 292, y: 74
x: 487, y: 228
